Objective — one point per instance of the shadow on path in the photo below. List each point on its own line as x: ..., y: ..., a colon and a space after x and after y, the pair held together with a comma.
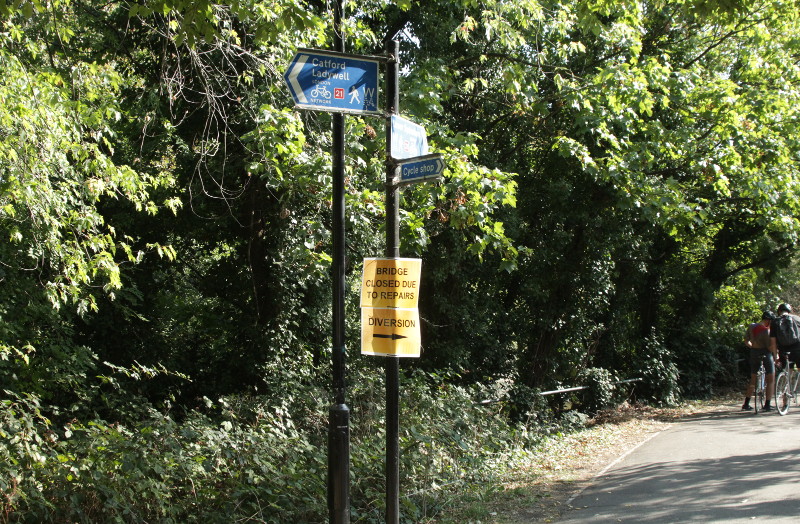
x: 721, y: 466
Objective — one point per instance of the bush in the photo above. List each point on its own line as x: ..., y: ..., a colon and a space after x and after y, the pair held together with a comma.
x: 450, y: 443
x: 526, y: 404
x: 262, y: 459
x: 659, y: 374
x: 708, y: 366
x: 208, y: 470
x: 600, y: 389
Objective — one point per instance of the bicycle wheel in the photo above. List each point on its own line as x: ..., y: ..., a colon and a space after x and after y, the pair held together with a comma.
x: 758, y: 395
x: 795, y: 384
x: 782, y: 397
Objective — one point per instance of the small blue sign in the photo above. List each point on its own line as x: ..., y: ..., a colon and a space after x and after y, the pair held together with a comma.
x: 408, y: 139
x: 420, y: 168
x: 336, y: 82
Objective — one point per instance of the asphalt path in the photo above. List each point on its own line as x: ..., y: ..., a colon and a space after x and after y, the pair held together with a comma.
x: 723, y: 466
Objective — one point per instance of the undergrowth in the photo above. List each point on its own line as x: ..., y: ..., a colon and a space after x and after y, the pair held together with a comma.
x: 261, y: 458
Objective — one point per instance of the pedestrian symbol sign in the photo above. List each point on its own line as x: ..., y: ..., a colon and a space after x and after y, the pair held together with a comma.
x: 336, y: 82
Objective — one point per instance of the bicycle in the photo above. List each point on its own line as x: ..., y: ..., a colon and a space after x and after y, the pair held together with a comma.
x: 760, y: 390
x: 786, y: 384
x: 320, y: 92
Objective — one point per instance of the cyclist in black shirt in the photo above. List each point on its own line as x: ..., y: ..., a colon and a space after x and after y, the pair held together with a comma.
x: 785, y: 310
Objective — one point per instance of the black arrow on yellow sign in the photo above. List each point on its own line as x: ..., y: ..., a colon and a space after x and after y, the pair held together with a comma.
x: 393, y: 336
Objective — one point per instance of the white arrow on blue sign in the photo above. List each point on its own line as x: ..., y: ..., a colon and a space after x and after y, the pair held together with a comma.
x: 336, y: 82
x: 420, y: 168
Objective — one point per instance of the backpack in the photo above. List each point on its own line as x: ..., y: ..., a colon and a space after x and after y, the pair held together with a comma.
x: 787, y: 330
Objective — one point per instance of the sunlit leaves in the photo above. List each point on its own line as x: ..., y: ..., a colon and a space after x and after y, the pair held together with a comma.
x: 55, y: 167
x: 192, y: 22
x: 469, y: 199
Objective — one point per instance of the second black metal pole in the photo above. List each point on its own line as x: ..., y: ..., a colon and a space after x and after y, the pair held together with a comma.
x: 392, y: 251
x: 339, y: 413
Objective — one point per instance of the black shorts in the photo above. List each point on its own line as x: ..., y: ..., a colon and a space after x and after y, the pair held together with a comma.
x: 757, y: 356
x: 794, y: 353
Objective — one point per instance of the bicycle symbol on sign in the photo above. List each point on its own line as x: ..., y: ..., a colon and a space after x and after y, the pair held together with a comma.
x: 320, y: 92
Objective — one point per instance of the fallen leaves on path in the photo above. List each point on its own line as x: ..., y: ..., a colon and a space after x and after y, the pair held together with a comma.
x: 540, y: 488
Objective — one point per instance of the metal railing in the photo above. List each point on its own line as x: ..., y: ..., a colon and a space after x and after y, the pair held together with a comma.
x: 579, y: 388
x: 557, y: 391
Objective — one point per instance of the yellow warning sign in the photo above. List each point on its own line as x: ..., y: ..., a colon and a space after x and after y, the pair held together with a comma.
x: 390, y: 331
x: 391, y: 282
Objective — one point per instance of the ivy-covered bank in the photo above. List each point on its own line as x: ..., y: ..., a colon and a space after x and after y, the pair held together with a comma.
x: 620, y: 199
x: 251, y: 459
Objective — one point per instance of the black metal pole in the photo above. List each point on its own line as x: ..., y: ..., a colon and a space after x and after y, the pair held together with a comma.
x: 339, y: 414
x: 392, y: 251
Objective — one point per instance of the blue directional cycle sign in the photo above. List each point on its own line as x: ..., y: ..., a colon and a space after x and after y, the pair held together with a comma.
x: 335, y: 82
x: 408, y: 139
x: 421, y: 168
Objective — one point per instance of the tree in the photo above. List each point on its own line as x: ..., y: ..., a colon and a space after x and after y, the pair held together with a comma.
x: 58, y: 124
x: 654, y: 158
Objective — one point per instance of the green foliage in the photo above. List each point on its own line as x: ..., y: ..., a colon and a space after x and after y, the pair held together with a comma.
x: 25, y: 440
x: 643, y: 179
x: 448, y: 440
x: 193, y: 23
x: 254, y: 459
x: 659, y: 374
x: 469, y: 200
x: 525, y: 403
x: 601, y: 389
x: 616, y: 171
x: 710, y: 367
x: 201, y: 470
x: 243, y: 456
x: 55, y: 168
